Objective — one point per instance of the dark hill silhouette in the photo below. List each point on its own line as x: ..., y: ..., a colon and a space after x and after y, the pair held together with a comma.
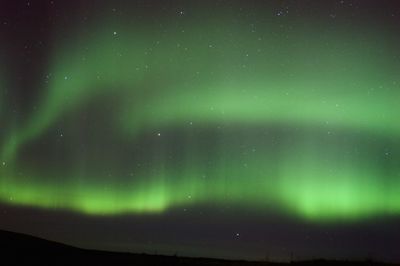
x: 20, y: 249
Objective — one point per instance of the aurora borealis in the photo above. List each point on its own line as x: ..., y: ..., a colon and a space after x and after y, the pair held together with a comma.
x: 143, y: 108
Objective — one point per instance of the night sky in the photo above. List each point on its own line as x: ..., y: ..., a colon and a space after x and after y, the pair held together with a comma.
x: 229, y: 129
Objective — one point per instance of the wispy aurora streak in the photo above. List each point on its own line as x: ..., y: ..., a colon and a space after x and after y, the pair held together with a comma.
x: 309, y: 127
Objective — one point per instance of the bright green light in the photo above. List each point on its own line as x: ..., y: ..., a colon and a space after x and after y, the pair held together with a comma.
x: 158, y: 82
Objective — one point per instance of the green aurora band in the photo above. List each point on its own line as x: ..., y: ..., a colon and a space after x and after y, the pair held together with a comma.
x: 334, y: 93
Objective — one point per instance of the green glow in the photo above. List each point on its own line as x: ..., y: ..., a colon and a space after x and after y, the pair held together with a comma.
x: 308, y: 188
x: 351, y: 190
x: 156, y: 82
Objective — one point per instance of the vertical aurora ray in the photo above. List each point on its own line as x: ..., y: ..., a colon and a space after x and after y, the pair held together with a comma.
x: 290, y: 126
x: 349, y: 188
x: 304, y: 184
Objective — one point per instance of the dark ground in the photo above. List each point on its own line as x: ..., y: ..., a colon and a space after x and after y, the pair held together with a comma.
x: 20, y: 249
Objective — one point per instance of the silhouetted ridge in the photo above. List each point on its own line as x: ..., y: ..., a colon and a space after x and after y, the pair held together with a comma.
x: 20, y: 249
